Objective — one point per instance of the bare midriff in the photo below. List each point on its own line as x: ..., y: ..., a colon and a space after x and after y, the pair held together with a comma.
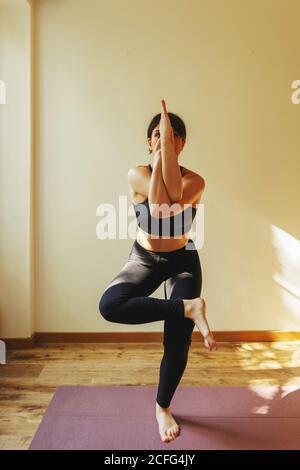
x: 159, y: 243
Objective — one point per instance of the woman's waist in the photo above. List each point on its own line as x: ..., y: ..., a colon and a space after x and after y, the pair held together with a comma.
x: 160, y: 243
x: 164, y: 246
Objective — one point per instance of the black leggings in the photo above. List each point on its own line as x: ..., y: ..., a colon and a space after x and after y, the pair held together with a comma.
x: 126, y: 300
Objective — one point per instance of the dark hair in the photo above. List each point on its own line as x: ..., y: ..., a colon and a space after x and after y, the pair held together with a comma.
x: 176, y: 122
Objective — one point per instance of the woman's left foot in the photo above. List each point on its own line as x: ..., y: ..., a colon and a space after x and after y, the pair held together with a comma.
x: 168, y: 428
x: 195, y: 309
x: 210, y: 342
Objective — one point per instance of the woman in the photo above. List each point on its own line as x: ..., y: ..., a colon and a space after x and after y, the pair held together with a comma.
x: 163, y: 252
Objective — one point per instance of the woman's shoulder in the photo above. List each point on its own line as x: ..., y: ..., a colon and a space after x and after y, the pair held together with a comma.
x: 139, y: 178
x: 191, y: 173
x: 145, y: 165
x: 144, y: 168
x: 139, y: 169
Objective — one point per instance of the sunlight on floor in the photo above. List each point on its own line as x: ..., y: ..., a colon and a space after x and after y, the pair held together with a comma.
x: 267, y: 357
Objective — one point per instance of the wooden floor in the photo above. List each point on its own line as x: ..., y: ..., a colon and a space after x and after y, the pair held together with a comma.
x: 30, y: 377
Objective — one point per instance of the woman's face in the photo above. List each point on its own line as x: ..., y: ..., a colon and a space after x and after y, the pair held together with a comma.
x: 178, y: 141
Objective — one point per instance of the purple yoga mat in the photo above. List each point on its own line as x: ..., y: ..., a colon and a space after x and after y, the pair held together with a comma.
x: 123, y: 418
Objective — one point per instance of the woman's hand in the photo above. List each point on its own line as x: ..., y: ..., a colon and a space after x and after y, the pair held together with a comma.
x: 165, y: 127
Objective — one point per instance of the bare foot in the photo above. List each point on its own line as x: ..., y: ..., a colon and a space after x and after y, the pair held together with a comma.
x: 195, y: 309
x: 168, y: 428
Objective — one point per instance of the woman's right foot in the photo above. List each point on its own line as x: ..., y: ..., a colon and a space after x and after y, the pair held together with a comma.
x: 195, y: 310
x: 168, y: 428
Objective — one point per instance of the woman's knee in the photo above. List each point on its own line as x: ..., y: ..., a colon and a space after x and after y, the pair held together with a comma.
x: 107, y: 306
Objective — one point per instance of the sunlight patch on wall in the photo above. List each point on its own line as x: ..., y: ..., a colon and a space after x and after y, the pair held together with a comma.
x: 288, y: 256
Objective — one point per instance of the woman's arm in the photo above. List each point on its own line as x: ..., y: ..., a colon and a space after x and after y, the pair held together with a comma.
x: 170, y: 167
x: 171, y: 172
x: 159, y: 200
x: 152, y: 187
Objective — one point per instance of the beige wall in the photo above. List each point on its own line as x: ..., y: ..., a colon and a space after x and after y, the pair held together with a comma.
x: 16, y: 313
x: 226, y: 67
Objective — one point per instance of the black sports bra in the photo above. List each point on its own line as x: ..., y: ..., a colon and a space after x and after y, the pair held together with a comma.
x: 175, y: 225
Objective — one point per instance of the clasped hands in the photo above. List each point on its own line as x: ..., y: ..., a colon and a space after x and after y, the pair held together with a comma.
x: 166, y: 139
